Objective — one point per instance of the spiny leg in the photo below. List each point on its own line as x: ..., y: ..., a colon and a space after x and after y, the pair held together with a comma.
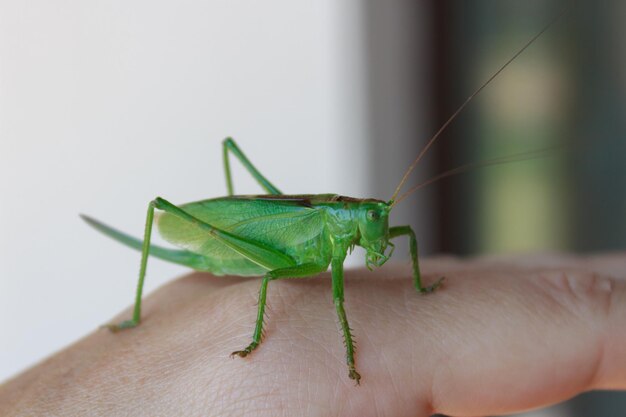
x: 145, y: 251
x: 258, y: 329
x: 337, y: 276
x: 260, y: 254
x: 282, y: 273
x: 230, y: 145
x: 417, y: 277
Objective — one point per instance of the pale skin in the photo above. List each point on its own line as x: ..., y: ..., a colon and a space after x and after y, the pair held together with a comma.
x: 502, y: 335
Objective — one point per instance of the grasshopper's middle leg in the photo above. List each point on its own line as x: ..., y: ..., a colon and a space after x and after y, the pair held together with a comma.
x: 337, y: 277
x: 145, y: 251
x: 417, y: 277
x: 282, y: 273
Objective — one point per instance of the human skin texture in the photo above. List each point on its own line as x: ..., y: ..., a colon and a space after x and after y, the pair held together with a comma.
x: 501, y: 335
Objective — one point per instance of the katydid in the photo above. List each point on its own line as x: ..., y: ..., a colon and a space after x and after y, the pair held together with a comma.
x: 280, y: 236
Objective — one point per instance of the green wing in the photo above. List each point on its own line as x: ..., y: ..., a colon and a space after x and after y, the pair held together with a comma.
x: 286, y: 224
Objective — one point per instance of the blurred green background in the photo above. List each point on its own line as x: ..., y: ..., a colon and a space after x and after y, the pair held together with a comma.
x: 567, y: 90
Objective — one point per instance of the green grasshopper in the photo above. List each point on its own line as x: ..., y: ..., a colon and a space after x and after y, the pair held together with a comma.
x: 280, y: 236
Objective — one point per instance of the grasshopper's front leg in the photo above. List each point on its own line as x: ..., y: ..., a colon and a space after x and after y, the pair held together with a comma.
x: 337, y: 277
x: 299, y: 271
x: 417, y: 277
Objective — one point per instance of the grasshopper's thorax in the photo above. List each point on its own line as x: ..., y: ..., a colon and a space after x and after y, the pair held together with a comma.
x: 362, y: 222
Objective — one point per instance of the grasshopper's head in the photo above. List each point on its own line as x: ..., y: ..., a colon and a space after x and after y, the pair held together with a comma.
x: 373, y: 220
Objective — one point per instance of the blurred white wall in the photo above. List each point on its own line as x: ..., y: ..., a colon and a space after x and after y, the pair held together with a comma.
x: 105, y: 105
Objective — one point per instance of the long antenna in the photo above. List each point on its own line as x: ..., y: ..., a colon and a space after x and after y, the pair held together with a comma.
x: 525, y: 156
x: 460, y: 109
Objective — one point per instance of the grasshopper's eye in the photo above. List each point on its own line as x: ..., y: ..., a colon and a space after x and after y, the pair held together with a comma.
x: 373, y: 215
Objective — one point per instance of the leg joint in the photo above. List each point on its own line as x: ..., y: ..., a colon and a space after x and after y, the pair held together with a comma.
x: 157, y: 202
x: 228, y: 142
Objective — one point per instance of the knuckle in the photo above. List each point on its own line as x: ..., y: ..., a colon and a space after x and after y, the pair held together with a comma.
x: 583, y: 293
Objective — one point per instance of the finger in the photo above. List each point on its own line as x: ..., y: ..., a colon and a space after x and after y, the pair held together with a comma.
x: 487, y: 343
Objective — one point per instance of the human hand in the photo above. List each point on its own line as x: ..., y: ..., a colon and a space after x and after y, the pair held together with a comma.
x: 501, y: 335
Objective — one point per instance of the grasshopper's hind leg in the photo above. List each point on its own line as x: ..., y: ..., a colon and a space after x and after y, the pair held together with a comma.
x: 145, y: 251
x: 282, y: 273
x: 229, y: 145
x: 259, y: 254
